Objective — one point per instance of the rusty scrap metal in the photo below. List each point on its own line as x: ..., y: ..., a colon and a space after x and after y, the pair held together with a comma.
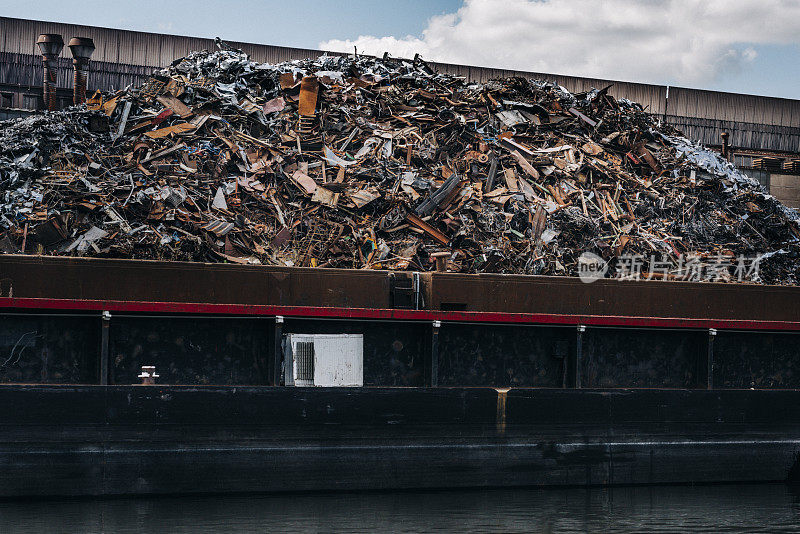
x: 364, y: 163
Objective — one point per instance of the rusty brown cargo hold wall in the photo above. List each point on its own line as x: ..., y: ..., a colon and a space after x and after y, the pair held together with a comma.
x: 608, y: 297
x: 153, y: 281
x: 43, y: 277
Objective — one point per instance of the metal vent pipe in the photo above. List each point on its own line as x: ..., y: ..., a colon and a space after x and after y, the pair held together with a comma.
x: 81, y: 48
x: 50, y: 45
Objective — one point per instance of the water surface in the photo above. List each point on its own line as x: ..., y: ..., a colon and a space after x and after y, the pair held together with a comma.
x: 748, y: 508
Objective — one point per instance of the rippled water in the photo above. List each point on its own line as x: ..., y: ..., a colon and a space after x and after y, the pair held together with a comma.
x: 751, y: 508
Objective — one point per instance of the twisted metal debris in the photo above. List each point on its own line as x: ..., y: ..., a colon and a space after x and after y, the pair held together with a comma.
x: 356, y: 162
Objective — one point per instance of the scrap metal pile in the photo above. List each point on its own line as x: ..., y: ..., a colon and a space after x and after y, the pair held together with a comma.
x: 357, y: 162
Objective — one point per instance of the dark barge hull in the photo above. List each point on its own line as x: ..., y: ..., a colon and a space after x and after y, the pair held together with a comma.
x: 95, y: 440
x: 527, y: 381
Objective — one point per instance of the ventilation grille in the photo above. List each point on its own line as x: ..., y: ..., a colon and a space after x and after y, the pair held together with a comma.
x: 304, y: 358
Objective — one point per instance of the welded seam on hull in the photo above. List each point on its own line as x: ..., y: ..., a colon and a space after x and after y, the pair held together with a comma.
x: 463, y: 446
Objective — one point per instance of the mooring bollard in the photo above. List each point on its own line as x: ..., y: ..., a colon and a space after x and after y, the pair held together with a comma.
x: 148, y: 375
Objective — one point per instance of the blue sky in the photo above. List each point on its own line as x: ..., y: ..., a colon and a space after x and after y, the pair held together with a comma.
x: 734, y: 45
x: 300, y: 23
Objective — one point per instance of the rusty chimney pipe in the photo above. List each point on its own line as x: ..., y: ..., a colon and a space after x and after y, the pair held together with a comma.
x: 50, y: 45
x: 725, y: 146
x: 81, y: 48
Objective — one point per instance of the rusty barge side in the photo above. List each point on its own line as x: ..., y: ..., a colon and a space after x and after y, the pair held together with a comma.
x: 149, y: 286
x: 469, y: 380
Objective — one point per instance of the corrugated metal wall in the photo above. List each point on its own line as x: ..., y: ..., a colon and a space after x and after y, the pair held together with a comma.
x: 733, y: 107
x: 129, y: 47
x: 743, y: 134
x: 124, y: 57
x: 26, y: 70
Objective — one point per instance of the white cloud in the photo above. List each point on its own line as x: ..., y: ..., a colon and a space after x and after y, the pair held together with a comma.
x: 690, y: 41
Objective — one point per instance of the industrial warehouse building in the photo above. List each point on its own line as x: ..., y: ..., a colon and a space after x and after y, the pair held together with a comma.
x: 758, y: 126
